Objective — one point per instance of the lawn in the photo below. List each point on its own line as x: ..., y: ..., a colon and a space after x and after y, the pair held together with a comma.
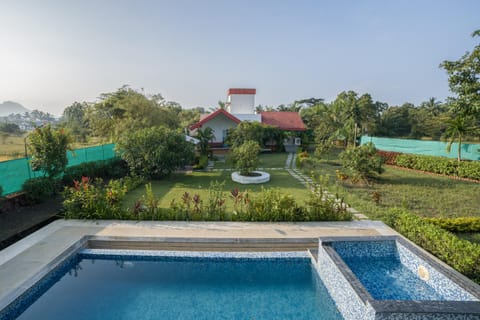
x: 267, y: 160
x: 12, y: 147
x: 199, y: 182
x: 423, y: 194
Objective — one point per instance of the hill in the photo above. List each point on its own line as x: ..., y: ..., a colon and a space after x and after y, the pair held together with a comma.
x: 9, y: 107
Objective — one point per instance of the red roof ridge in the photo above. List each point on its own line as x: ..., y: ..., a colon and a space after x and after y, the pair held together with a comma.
x: 213, y: 115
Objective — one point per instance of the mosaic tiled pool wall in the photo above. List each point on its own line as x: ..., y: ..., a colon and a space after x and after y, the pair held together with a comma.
x: 355, y: 302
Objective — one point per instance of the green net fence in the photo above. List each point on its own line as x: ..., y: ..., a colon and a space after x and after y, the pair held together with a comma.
x: 14, y: 173
x: 430, y: 148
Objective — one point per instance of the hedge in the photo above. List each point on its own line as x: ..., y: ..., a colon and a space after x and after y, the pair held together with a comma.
x: 440, y: 165
x: 111, y: 168
x: 460, y: 254
x: 38, y: 190
x: 462, y: 224
x: 390, y: 157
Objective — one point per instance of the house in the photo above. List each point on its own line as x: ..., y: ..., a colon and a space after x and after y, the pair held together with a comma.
x: 240, y: 107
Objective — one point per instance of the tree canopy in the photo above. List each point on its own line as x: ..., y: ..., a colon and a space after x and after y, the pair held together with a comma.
x: 48, y: 148
x: 128, y: 110
x: 464, y: 81
x: 155, y: 151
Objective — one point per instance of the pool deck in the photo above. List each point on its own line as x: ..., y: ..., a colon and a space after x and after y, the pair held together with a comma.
x: 29, y: 256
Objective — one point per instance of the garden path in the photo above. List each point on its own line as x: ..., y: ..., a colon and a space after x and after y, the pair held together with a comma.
x: 291, y: 167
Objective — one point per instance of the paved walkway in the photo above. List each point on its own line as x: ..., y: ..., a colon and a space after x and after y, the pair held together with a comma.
x: 291, y: 167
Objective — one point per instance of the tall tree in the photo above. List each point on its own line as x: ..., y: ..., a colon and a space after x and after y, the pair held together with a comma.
x: 464, y: 82
x: 74, y: 120
x: 127, y: 109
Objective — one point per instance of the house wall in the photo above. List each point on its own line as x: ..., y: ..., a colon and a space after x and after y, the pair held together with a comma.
x: 248, y: 117
x: 219, y: 125
x: 241, y: 103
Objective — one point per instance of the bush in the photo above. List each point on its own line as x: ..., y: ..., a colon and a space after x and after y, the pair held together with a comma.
x: 462, y: 224
x: 389, y: 157
x: 48, y: 148
x: 254, y: 131
x: 462, y: 255
x: 37, y: 190
x: 107, y: 169
x: 363, y: 161
x: 155, y: 152
x: 469, y: 169
x: 440, y: 165
x: 323, y: 206
x: 91, y: 199
x: 272, y: 205
x: 245, y: 157
x: 202, y: 162
x: 267, y: 205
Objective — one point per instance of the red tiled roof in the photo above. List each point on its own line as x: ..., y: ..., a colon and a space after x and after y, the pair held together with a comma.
x: 241, y: 91
x: 284, y: 120
x: 213, y: 115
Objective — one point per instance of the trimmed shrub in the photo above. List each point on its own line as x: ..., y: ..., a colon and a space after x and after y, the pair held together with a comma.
x: 462, y: 255
x: 245, y: 157
x: 440, y: 165
x: 37, y: 190
x: 462, y: 224
x: 469, y: 169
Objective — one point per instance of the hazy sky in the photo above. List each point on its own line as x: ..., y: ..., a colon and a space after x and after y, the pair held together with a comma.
x: 53, y: 53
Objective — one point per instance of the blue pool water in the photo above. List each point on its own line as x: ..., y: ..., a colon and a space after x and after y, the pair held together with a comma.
x: 386, y: 278
x: 188, y: 288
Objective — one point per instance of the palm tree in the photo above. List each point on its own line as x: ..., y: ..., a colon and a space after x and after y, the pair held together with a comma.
x: 221, y: 105
x: 205, y: 136
x: 433, y: 106
x: 457, y: 129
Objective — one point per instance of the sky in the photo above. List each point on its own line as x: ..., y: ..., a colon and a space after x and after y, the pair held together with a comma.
x: 53, y: 53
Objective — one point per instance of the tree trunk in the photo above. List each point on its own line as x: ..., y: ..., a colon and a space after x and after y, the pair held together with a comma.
x: 459, y: 148
x: 355, y: 135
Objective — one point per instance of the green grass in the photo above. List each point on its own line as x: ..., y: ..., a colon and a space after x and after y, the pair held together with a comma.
x: 199, y: 182
x: 267, y: 160
x: 12, y: 147
x: 423, y: 194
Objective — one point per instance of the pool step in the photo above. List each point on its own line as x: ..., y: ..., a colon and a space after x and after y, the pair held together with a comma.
x: 189, y: 244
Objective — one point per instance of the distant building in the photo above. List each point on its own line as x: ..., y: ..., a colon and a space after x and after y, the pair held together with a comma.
x: 240, y: 106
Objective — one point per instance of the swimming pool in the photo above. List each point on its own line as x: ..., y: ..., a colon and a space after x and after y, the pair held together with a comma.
x: 382, y: 277
x: 112, y: 284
